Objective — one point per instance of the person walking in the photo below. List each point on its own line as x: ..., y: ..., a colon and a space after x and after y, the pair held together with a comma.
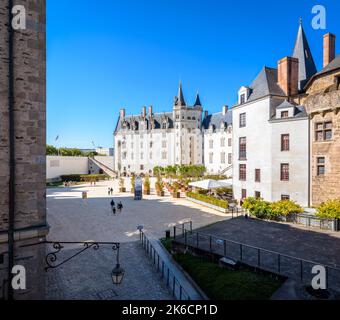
x: 112, y: 203
x: 111, y: 191
x: 119, y: 207
x: 114, y: 210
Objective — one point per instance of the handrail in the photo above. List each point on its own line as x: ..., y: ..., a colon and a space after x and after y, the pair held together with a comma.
x: 177, y: 290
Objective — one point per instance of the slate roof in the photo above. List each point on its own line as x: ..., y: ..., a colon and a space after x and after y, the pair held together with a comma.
x: 302, y: 51
x: 285, y: 104
x: 265, y: 84
x: 332, y: 66
x: 180, y: 101
x: 299, y: 111
x: 335, y: 64
x: 157, y: 118
x: 217, y: 119
x: 197, y: 101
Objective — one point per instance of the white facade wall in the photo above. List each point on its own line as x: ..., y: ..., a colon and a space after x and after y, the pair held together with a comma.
x: 297, y: 158
x: 58, y: 165
x: 139, y: 152
x: 264, y: 153
x: 213, y: 155
x: 258, y: 134
x: 188, y: 136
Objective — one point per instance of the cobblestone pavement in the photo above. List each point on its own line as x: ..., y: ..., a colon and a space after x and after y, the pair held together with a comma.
x: 74, y: 219
x: 88, y: 276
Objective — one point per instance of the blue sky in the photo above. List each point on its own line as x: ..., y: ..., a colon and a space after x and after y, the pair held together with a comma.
x: 104, y: 55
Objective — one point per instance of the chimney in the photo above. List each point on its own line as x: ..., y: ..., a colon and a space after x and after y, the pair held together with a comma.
x: 328, y: 48
x: 224, y: 110
x: 150, y: 111
x: 122, y: 113
x: 143, y: 112
x: 288, y: 75
x: 206, y: 114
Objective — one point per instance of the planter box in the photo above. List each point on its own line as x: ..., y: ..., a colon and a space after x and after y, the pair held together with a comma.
x: 211, y: 206
x: 122, y: 189
x: 176, y: 194
x: 160, y: 193
x: 146, y: 192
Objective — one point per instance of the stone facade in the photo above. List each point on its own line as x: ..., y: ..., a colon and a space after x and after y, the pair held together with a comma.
x: 322, y: 101
x: 29, y: 60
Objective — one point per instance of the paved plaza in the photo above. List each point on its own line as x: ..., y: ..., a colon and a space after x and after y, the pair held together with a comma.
x: 293, y: 240
x: 87, y: 276
x: 283, y: 245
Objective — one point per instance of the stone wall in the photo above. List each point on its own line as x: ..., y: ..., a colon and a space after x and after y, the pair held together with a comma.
x: 323, y: 104
x: 30, y: 136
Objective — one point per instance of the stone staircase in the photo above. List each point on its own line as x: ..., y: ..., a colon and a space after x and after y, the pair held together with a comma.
x: 107, y: 170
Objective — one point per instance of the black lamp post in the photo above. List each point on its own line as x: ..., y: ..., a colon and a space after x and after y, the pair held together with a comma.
x: 118, y: 272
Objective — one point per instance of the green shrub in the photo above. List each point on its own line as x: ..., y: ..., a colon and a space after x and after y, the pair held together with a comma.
x: 249, y: 203
x: 265, y: 210
x: 257, y: 208
x: 208, y: 199
x: 70, y: 177
x: 202, y: 191
x: 285, y: 208
x: 329, y: 209
x: 92, y: 177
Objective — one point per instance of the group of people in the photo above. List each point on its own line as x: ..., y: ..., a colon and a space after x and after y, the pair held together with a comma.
x: 110, y: 191
x: 119, y: 207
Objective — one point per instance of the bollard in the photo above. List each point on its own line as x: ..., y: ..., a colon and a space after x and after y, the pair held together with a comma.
x: 167, y: 234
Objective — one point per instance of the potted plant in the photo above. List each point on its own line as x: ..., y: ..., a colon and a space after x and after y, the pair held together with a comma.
x: 146, y: 190
x: 133, y: 182
x: 175, y: 193
x: 159, y: 187
x: 121, y: 185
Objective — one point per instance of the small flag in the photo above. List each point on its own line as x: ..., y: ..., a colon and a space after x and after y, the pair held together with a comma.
x: 56, y: 139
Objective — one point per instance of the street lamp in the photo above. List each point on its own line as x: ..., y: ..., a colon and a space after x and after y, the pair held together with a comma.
x: 118, y: 272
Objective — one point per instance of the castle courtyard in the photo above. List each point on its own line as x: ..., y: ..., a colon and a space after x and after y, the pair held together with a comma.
x: 73, y: 219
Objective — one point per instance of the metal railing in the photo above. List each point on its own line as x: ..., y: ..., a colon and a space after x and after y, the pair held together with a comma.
x: 174, y: 285
x: 271, y: 261
x: 316, y: 222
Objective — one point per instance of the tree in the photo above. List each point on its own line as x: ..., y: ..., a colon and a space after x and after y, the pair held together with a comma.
x: 51, y: 150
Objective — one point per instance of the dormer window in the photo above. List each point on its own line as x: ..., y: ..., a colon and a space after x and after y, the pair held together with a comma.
x: 284, y: 114
x: 242, y: 98
x: 164, y: 125
x: 243, y: 95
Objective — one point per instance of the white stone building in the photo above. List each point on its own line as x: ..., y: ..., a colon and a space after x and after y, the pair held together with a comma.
x: 159, y: 139
x: 217, y: 146
x: 270, y: 132
x: 178, y: 137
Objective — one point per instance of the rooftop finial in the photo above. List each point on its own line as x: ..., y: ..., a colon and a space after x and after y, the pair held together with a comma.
x: 300, y: 21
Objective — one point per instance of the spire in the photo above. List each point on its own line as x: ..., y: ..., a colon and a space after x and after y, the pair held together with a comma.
x: 180, y: 97
x: 302, y: 52
x: 198, y: 100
